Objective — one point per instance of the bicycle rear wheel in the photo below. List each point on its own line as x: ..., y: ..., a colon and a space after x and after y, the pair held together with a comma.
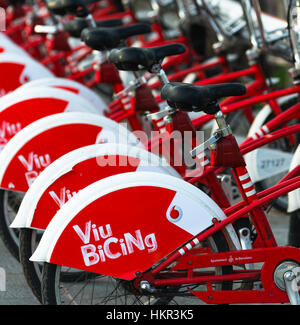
x: 10, y: 203
x: 106, y: 290
x: 29, y: 240
x: 294, y: 226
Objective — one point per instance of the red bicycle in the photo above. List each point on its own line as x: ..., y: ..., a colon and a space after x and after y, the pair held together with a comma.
x: 186, y: 255
x: 162, y: 75
x: 203, y: 174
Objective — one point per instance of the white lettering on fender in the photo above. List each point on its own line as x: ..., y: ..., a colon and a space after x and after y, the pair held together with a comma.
x: 7, y: 130
x: 89, y: 254
x: 34, y: 164
x: 63, y: 197
x: 85, y: 237
x: 28, y: 164
x: 34, y: 160
x: 109, y: 247
x: 138, y: 241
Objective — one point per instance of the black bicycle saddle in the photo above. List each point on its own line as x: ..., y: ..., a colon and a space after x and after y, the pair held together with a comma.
x: 64, y: 7
x: 109, y: 38
x: 16, y: 3
x: 195, y: 98
x: 76, y: 26
x: 134, y: 59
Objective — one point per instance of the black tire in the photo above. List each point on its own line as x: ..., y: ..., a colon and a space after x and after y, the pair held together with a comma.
x: 28, y: 242
x: 10, y: 202
x: 239, y: 123
x: 32, y: 270
x: 294, y: 230
x: 52, y: 285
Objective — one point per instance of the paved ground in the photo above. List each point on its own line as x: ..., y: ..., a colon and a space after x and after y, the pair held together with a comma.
x: 18, y: 293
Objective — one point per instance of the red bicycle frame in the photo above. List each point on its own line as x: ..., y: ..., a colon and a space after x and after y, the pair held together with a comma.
x: 268, y: 134
x: 265, y: 249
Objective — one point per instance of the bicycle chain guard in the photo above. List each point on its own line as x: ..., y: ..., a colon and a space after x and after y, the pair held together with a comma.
x: 270, y: 257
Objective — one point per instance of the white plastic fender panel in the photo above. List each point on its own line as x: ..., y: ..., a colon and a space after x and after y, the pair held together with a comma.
x: 8, y: 46
x: 20, y: 108
x: 43, y: 141
x: 294, y: 196
x: 265, y: 162
x: 72, y: 86
x: 17, y: 70
x: 126, y: 223
x: 77, y: 169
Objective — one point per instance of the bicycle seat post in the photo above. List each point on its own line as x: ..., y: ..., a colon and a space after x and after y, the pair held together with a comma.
x: 166, y: 114
x: 90, y: 20
x: 85, y: 13
x: 139, y: 78
x: 163, y: 77
x: 189, y: 98
x: 159, y: 71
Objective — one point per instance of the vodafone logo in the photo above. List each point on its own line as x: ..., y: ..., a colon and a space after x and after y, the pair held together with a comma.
x: 174, y: 214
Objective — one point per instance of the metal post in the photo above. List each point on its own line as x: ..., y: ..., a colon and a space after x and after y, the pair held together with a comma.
x: 247, y: 10
x: 261, y: 29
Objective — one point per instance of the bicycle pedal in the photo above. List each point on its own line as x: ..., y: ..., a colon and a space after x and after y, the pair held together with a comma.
x: 285, y: 277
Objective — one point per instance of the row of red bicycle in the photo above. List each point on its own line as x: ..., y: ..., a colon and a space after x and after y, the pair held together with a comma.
x: 142, y: 163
